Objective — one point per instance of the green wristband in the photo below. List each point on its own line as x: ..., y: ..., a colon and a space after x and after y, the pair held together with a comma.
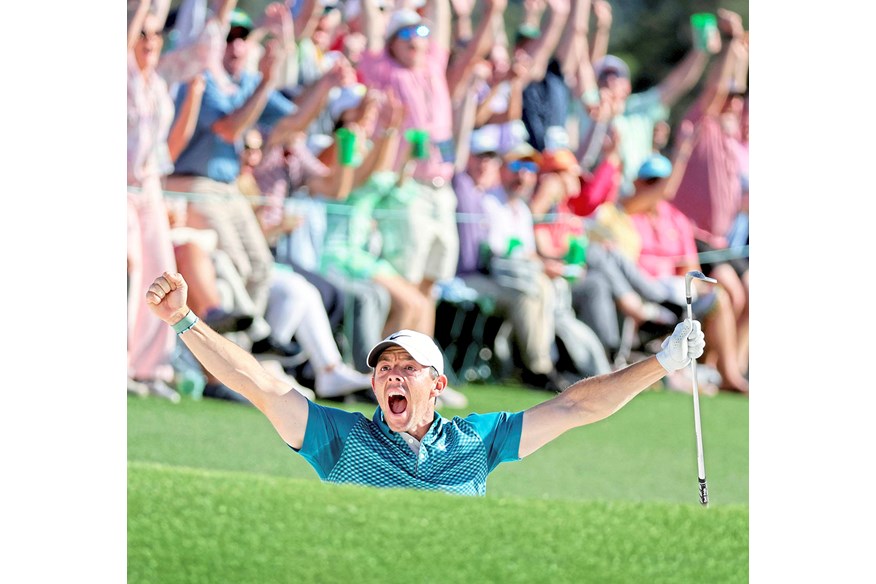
x: 185, y: 323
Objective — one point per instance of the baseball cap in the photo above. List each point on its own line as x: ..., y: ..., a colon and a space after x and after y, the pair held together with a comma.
x: 522, y: 151
x: 400, y: 19
x: 656, y: 166
x: 611, y: 64
x: 558, y: 160
x: 241, y: 19
x: 421, y: 347
x: 527, y: 31
x: 485, y: 140
x: 345, y: 99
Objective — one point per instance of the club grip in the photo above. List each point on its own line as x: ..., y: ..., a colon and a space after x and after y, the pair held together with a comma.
x: 704, y: 492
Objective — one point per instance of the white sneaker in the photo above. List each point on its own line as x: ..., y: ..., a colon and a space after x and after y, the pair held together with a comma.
x: 137, y: 388
x: 342, y: 380
x: 161, y: 389
x: 275, y: 368
x: 452, y: 399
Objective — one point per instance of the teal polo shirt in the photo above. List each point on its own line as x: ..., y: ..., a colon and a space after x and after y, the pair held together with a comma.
x: 455, y: 455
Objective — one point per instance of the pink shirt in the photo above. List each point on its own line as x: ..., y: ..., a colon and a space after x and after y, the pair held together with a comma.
x: 667, y: 240
x: 710, y: 192
x: 150, y: 114
x: 426, y: 97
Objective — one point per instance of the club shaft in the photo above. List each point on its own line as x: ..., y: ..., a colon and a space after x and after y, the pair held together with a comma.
x: 701, y: 464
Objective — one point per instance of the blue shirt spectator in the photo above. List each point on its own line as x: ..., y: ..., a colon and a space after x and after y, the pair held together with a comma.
x: 207, y: 153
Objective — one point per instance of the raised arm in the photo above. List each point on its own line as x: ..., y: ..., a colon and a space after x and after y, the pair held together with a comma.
x: 307, y: 19
x: 573, y: 41
x: 732, y: 58
x: 232, y: 126
x: 684, y: 76
x: 646, y: 196
x: 186, y: 119
x: 596, y: 398
x: 460, y: 70
x: 230, y: 364
x: 135, y: 21
x: 546, y: 44
x: 373, y: 25
x: 599, y: 40
x: 438, y: 12
x: 311, y: 102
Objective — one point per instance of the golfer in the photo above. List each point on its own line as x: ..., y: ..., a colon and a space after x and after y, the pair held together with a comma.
x: 406, y: 443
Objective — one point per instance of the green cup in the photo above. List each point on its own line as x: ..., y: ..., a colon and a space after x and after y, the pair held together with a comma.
x: 419, y: 140
x: 703, y: 23
x: 346, y: 146
x: 577, y: 252
x: 513, y: 244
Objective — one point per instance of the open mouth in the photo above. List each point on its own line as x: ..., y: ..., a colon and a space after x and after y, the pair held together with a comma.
x: 398, y: 404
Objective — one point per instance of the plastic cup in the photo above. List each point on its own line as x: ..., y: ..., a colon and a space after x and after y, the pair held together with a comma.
x: 419, y: 140
x: 346, y: 146
x: 513, y: 244
x: 703, y: 23
x: 577, y: 252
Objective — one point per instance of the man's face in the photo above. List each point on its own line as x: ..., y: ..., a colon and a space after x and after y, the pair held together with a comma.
x: 406, y: 391
x: 484, y: 169
x: 618, y: 85
x: 519, y: 178
x: 236, y: 51
x: 409, y: 45
x: 148, y: 47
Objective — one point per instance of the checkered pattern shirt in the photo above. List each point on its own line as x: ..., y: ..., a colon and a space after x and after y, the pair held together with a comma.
x: 455, y: 455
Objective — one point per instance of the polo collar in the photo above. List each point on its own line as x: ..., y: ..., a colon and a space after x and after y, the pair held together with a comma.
x: 431, y: 435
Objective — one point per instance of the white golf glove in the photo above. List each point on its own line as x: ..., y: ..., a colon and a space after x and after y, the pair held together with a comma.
x: 686, y: 342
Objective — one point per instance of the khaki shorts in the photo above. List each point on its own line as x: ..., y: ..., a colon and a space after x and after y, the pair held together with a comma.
x: 418, y: 229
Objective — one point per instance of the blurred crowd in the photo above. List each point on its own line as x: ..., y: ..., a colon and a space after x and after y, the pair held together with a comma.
x: 330, y: 171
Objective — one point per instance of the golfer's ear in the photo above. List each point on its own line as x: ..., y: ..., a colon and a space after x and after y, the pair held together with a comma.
x: 440, y: 384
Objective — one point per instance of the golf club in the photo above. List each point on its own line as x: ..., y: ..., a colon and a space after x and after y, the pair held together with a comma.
x: 701, y: 465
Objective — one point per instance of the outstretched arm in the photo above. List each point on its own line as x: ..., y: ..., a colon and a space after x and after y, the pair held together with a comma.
x: 546, y: 44
x: 135, y: 21
x: 684, y: 76
x: 230, y: 364
x: 459, y: 71
x: 596, y: 398
x: 232, y: 126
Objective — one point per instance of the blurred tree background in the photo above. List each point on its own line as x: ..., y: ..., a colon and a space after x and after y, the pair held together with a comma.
x: 651, y: 36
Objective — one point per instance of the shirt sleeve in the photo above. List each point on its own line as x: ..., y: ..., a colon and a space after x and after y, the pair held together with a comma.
x: 327, y: 430
x: 278, y: 106
x: 500, y: 432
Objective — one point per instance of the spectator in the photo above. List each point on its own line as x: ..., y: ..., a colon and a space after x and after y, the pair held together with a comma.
x: 153, y: 144
x: 409, y: 57
x: 610, y: 287
x: 269, y: 186
x: 210, y: 164
x: 546, y: 96
x: 317, y: 26
x: 634, y: 115
x: 531, y: 315
x: 668, y: 252
x: 710, y: 192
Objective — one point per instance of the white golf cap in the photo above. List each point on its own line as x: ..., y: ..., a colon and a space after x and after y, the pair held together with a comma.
x: 346, y: 98
x: 400, y: 19
x: 421, y: 347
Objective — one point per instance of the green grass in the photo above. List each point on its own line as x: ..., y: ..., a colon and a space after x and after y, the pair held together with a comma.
x: 215, y: 496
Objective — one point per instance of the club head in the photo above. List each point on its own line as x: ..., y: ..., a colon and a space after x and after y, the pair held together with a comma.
x: 696, y: 274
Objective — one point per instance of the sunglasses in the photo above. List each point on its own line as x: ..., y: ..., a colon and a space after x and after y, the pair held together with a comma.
x: 518, y: 165
x: 409, y: 32
x: 150, y: 34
